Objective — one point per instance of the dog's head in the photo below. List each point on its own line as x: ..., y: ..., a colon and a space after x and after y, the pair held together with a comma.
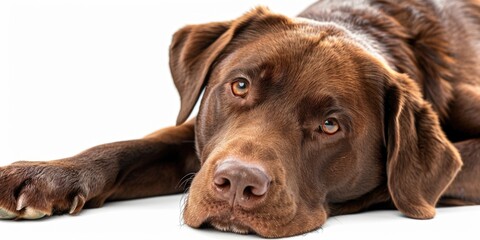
x: 300, y: 120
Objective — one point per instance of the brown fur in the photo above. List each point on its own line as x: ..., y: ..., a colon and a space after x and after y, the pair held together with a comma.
x: 400, y: 77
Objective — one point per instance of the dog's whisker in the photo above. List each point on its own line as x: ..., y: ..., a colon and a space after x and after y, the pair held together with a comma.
x: 182, y: 203
x: 182, y: 184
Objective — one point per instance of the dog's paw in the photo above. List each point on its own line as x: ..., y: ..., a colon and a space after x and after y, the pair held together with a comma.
x: 33, y: 190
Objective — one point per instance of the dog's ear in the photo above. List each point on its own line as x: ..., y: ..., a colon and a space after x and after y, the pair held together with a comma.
x: 194, y: 49
x: 421, y: 161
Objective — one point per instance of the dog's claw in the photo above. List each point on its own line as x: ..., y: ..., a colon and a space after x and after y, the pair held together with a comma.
x: 31, y: 213
x: 77, y: 204
x: 21, y: 202
x: 74, y: 205
x: 5, y: 214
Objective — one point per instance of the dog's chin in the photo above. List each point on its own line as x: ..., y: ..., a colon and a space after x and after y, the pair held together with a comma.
x: 230, y: 222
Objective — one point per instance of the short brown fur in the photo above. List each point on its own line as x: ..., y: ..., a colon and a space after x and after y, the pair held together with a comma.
x: 400, y: 78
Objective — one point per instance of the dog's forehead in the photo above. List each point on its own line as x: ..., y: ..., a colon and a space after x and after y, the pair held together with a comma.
x: 322, y: 58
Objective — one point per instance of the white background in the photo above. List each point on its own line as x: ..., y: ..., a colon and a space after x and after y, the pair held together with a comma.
x: 75, y: 74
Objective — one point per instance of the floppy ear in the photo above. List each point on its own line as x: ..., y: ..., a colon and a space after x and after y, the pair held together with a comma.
x: 194, y: 49
x: 421, y: 161
x: 192, y: 52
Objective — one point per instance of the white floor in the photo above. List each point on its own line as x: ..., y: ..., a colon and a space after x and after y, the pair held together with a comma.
x: 75, y: 74
x: 159, y: 218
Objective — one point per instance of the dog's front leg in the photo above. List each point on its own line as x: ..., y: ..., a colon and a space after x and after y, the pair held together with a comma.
x: 154, y: 165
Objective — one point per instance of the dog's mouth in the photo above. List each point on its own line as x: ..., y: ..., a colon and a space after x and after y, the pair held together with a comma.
x: 258, y: 223
x: 228, y: 226
x: 228, y: 219
x: 263, y: 221
x: 236, y: 224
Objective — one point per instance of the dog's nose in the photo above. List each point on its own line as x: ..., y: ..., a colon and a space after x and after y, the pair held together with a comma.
x: 240, y: 183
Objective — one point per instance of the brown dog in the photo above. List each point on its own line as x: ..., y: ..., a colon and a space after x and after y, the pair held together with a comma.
x: 347, y: 107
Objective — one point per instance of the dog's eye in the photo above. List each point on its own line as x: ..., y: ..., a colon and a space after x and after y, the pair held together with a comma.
x: 240, y: 87
x: 330, y: 126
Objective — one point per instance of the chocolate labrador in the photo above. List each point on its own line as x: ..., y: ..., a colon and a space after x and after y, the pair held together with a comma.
x: 350, y: 106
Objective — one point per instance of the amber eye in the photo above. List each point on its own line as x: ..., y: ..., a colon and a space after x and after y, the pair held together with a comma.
x: 330, y: 126
x: 240, y: 87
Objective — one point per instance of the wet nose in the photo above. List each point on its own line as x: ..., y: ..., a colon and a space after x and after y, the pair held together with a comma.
x: 240, y: 183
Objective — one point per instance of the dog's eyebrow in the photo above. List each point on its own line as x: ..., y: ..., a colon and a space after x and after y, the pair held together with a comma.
x: 252, y: 72
x: 322, y: 101
x: 248, y: 73
x: 327, y: 103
